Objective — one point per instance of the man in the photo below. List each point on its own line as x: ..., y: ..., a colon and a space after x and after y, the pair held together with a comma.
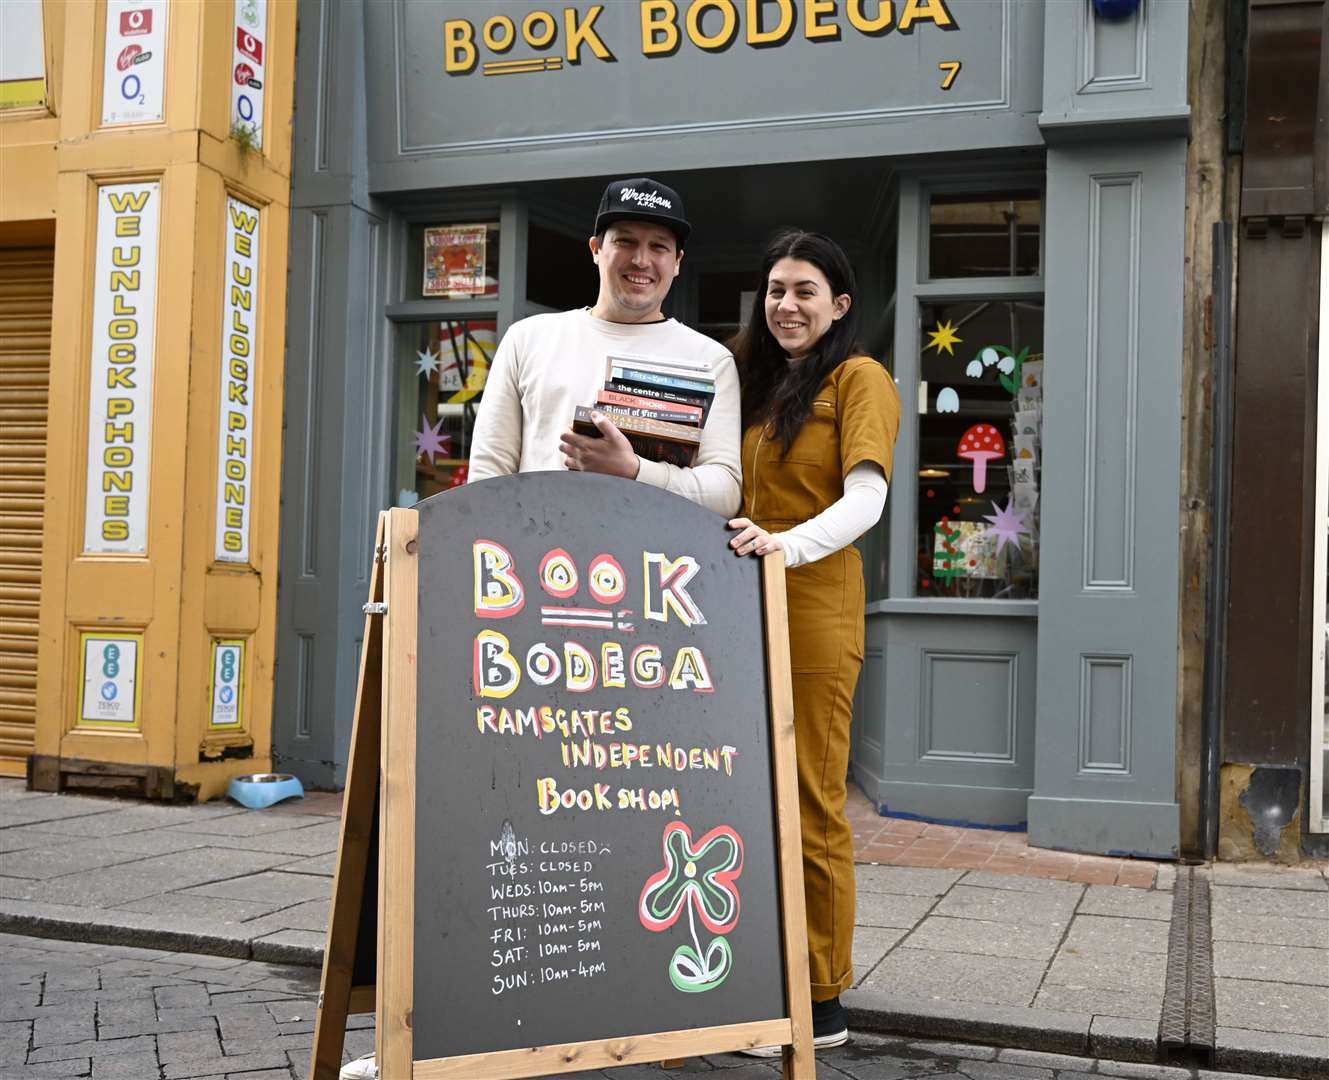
x: 547, y: 365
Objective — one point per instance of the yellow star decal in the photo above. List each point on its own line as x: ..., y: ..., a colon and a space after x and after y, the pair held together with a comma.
x: 943, y: 337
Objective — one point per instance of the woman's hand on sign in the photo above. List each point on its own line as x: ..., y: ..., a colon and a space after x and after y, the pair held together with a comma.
x: 753, y: 539
x: 611, y: 454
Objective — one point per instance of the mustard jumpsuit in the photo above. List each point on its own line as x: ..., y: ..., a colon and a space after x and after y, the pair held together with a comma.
x: 855, y: 416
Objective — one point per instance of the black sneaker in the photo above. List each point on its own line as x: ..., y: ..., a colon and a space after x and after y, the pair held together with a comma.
x: 830, y: 1027
x: 830, y: 1024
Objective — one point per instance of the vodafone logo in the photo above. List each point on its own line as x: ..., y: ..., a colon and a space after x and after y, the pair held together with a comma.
x: 243, y: 73
x: 128, y: 56
x: 249, y: 45
x: 137, y: 21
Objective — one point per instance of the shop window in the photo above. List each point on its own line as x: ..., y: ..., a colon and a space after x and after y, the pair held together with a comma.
x: 441, y: 373
x: 724, y: 301
x: 560, y: 274
x: 980, y: 448
x: 452, y: 260
x: 988, y: 234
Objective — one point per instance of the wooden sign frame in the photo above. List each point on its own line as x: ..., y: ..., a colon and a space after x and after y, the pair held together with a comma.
x: 381, y: 773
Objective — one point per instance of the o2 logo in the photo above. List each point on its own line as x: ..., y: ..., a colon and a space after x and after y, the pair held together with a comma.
x: 131, y: 89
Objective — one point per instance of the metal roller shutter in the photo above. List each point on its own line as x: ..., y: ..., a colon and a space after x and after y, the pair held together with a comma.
x: 26, y: 286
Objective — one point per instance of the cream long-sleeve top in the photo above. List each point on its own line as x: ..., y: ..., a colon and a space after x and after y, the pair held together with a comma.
x: 547, y: 365
x: 841, y: 523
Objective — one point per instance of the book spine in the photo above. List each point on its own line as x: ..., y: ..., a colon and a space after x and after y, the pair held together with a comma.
x: 655, y: 378
x: 659, y: 410
x: 659, y: 393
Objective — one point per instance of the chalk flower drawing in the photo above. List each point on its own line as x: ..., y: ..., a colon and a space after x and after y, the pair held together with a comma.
x: 701, y: 878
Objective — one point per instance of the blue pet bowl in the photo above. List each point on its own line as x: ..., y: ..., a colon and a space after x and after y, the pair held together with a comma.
x: 260, y: 790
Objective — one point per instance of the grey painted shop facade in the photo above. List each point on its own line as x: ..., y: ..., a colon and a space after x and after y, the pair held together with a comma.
x: 1008, y: 177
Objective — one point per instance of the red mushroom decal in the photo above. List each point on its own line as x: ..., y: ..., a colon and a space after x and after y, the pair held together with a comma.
x: 981, y: 444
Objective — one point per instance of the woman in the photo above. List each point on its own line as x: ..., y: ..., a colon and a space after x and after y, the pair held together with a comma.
x: 819, y: 426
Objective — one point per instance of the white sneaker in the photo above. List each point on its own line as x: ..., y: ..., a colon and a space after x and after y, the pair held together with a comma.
x: 362, y: 1068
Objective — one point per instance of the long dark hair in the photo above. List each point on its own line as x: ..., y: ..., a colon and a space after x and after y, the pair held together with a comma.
x: 774, y: 390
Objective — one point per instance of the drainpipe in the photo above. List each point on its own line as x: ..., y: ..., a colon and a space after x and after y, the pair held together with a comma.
x: 1220, y: 502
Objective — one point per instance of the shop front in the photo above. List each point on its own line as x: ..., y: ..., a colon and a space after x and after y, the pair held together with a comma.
x: 1009, y: 180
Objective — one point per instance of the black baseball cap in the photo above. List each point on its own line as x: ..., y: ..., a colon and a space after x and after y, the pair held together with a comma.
x: 643, y: 199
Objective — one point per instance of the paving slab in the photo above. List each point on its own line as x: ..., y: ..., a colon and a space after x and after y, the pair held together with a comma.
x: 933, y: 976
x: 115, y: 817
x: 892, y: 910
x: 310, y: 838
x: 1110, y: 934
x: 214, y: 908
x: 906, y: 880
x: 1268, y: 1006
x: 1116, y: 1004
x: 871, y: 943
x: 1134, y: 972
x: 1265, y: 877
x: 1126, y: 903
x: 1267, y: 929
x: 1257, y: 903
x: 1272, y: 963
x: 22, y: 837
x: 269, y: 885
x: 56, y: 860
x: 983, y: 938
x: 1016, y: 883
x: 1031, y: 908
x: 321, y: 865
x: 1124, y: 1039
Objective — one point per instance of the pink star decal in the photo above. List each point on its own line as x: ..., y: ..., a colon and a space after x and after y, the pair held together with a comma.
x: 1008, y: 525
x: 431, y: 440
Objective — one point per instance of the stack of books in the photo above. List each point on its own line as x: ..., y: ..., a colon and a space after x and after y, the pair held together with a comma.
x: 659, y: 404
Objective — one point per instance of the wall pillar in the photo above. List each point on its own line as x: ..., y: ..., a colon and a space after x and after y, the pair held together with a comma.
x: 147, y: 551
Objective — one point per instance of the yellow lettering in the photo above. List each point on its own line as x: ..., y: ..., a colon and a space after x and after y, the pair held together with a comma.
x: 235, y: 517
x: 115, y: 530
x: 121, y: 306
x: 239, y: 369
x: 234, y: 493
x: 235, y: 421
x: 241, y: 298
x: 458, y: 47
x: 659, y: 32
x: 121, y: 280
x: 235, y: 470
x: 813, y: 28
x: 123, y: 328
x: 239, y: 344
x: 933, y: 11
x: 116, y: 505
x: 119, y: 258
x: 237, y: 325
x: 120, y: 377
x: 728, y: 24
x: 581, y: 33
x: 244, y: 246
x: 121, y: 481
x: 118, y: 457
x: 538, y: 39
x: 242, y: 275
x: 232, y: 542
x: 127, y: 226
x: 119, y: 431
x: 765, y: 38
x: 236, y: 392
x: 864, y: 25
x: 119, y: 406
x: 235, y: 446
x: 500, y: 42
x: 243, y: 221
x: 124, y: 200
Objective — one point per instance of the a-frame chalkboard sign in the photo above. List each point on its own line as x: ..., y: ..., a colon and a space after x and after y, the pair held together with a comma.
x: 570, y: 834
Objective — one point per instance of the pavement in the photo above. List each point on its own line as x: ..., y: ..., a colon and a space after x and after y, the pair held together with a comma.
x: 963, y: 935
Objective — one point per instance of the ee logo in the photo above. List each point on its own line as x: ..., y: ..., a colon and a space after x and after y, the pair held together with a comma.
x: 111, y: 661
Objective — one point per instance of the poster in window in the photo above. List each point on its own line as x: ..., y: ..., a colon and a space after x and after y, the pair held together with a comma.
x: 455, y: 261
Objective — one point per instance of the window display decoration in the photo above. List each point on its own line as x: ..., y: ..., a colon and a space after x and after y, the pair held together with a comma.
x: 948, y: 401
x: 980, y: 444
x: 943, y: 337
x: 430, y: 440
x: 1007, y: 363
x: 1008, y: 524
x: 454, y: 261
x: 426, y: 363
